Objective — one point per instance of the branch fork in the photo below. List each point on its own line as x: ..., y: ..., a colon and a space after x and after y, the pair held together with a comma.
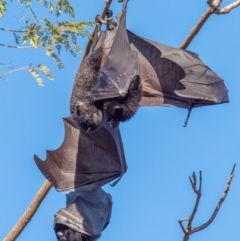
x: 189, y: 230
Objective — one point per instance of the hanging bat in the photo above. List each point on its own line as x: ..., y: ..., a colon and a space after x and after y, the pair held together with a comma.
x: 104, y: 75
x: 85, y: 161
x: 139, y: 72
x: 86, y: 215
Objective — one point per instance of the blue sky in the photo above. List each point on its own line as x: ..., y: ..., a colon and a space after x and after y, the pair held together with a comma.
x: 161, y: 154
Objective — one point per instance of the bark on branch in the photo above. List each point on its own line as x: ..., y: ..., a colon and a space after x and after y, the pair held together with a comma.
x: 196, y: 29
x: 27, y: 216
x: 188, y: 231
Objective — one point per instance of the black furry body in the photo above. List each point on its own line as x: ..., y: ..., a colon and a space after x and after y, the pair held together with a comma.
x: 83, y: 113
x: 90, y: 115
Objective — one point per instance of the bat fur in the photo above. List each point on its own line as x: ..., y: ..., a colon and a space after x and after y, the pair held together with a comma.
x: 90, y: 116
x: 83, y: 113
x: 66, y: 234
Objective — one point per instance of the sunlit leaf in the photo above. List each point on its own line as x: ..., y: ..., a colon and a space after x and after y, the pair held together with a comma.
x: 2, y: 8
x: 35, y: 74
x: 45, y: 70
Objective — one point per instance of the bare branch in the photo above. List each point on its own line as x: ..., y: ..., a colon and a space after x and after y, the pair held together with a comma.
x: 189, y: 230
x: 90, y: 41
x: 228, y: 8
x: 14, y: 70
x: 224, y: 195
x: 16, y: 47
x: 12, y: 30
x: 199, y: 194
x: 196, y: 29
x: 26, y: 217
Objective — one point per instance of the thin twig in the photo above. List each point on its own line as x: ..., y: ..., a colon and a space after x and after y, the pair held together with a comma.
x: 14, y: 70
x: 223, y: 197
x: 90, y: 41
x: 188, y: 231
x: 199, y: 194
x: 12, y: 30
x: 26, y: 217
x: 16, y: 47
x: 35, y: 16
x: 228, y: 8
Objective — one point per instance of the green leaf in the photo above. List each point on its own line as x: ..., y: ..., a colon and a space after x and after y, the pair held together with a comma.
x: 57, y: 60
x: 35, y: 74
x: 34, y: 41
x: 46, y: 71
x: 2, y: 8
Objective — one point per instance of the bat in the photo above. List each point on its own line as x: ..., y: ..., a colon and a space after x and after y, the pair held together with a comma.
x: 115, y: 76
x: 139, y: 72
x: 86, y: 215
x: 85, y: 161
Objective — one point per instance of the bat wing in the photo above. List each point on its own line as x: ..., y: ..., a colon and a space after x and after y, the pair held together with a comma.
x: 84, y: 161
x: 120, y: 66
x: 86, y: 212
x: 175, y: 77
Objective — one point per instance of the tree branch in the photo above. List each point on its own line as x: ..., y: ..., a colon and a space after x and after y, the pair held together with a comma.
x: 14, y: 70
x: 228, y: 8
x: 188, y: 231
x: 26, y: 217
x: 12, y: 30
x: 196, y: 29
x: 224, y: 195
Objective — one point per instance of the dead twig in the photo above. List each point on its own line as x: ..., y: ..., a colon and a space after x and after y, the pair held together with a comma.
x: 27, y: 216
x: 188, y: 231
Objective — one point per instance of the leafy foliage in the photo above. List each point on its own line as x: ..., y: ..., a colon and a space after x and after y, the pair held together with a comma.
x: 52, y: 36
x: 2, y: 8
